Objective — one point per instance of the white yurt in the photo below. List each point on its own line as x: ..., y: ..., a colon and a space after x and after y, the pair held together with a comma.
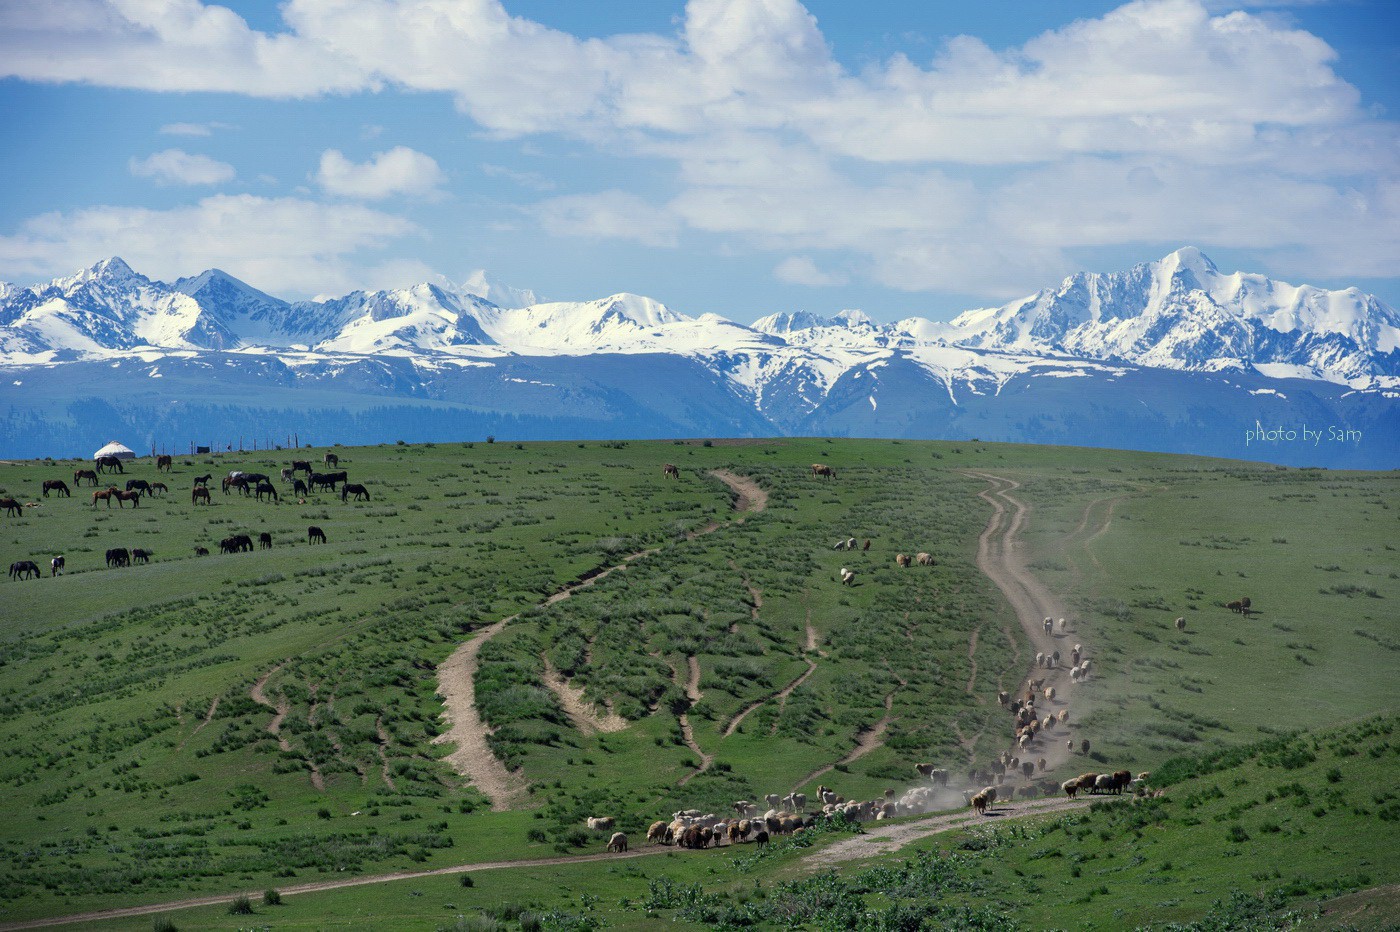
x: 120, y: 451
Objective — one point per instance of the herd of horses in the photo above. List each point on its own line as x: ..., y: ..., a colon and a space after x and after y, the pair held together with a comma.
x: 250, y: 484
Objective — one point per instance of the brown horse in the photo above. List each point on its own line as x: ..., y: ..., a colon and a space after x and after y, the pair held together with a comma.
x: 80, y: 474
x: 330, y: 459
x: 110, y: 463
x: 120, y: 496
x: 56, y: 485
x: 164, y: 463
x: 158, y: 488
x: 104, y: 495
x: 199, y: 494
x: 671, y: 471
x: 11, y: 507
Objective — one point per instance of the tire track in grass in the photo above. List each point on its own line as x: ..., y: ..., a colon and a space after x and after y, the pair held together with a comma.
x: 274, y: 727
x: 473, y: 757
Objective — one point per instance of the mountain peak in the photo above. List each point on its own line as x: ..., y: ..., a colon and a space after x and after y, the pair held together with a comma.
x: 794, y: 321
x: 1191, y: 259
x: 113, y: 269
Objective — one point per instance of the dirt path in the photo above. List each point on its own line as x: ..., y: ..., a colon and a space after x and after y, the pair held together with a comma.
x: 274, y: 727
x: 584, y: 714
x: 781, y: 695
x: 383, y: 748
x: 876, y: 840
x: 882, y: 839
x: 1000, y: 557
x: 866, y: 741
x: 972, y: 657
x: 692, y: 690
x: 473, y: 757
x: 208, y: 717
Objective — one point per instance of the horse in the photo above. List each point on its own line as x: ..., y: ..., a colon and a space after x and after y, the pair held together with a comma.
x: 158, y: 488
x: 164, y: 463
x: 315, y: 535
x: 120, y: 496
x: 671, y: 471
x: 24, y: 569
x: 244, y: 542
x: 253, y: 478
x: 266, y: 488
x: 56, y: 566
x: 203, y: 480
x: 298, y: 488
x: 199, y: 493
x: 80, y: 474
x: 237, y: 482
x: 304, y: 465
x: 110, y: 463
x: 11, y: 507
x: 265, y: 541
x: 360, y: 492
x: 823, y: 471
x: 140, y: 485
x: 141, y: 556
x: 330, y: 459
x: 118, y: 556
x: 288, y: 473
x: 56, y: 485
x: 228, y: 545
x: 201, y: 551
x: 103, y: 495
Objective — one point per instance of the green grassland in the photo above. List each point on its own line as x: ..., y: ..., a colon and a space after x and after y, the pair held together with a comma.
x: 119, y: 792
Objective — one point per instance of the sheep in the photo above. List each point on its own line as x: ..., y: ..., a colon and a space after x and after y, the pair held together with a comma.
x: 656, y: 835
x: 1104, y: 783
x: 1063, y: 716
x: 1041, y: 763
x: 1061, y: 624
x: 901, y: 559
x: 600, y: 823
x: 761, y: 839
x: 980, y: 803
x: 1027, y: 768
x: 1181, y: 624
x: 773, y: 800
x: 1069, y: 743
x: 847, y: 577
x: 1049, y: 694
x: 924, y: 559
x: 1039, y: 658
x: 1002, y: 697
x: 1049, y: 627
x: 799, y: 801
x: 1070, y: 787
x: 618, y: 842
x: 1084, y: 746
x: 733, y: 833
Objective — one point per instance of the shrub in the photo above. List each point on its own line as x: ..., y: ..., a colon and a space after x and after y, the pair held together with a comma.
x: 272, y: 898
x: 241, y: 906
x: 163, y: 924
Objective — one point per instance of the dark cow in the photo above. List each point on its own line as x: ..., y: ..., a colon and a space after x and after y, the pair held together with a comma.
x: 350, y: 488
x: 823, y: 471
x: 315, y: 535
x: 164, y: 463
x: 109, y: 463
x: 24, y: 569
x: 56, y: 485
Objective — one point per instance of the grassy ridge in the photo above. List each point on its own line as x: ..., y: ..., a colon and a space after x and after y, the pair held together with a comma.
x: 121, y: 793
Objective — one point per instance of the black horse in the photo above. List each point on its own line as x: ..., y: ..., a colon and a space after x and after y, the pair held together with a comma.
x: 118, y: 556
x: 315, y: 535
x: 360, y: 492
x: 56, y: 485
x: 24, y: 569
x: 109, y: 463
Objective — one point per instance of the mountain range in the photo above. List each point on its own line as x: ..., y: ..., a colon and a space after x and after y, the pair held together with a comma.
x: 1170, y: 355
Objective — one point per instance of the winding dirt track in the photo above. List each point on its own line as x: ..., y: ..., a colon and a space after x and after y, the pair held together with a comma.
x: 473, y: 757
x: 875, y: 840
x: 1000, y: 558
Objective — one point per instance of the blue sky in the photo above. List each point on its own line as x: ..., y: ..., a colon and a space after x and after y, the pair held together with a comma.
x: 730, y: 156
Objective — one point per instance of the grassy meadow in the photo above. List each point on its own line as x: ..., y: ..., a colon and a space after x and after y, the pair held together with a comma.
x: 138, y: 767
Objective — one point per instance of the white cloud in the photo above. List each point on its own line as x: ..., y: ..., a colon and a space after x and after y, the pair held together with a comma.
x: 192, y: 129
x: 801, y: 270
x: 608, y: 215
x: 401, y: 170
x: 286, y: 245
x: 976, y: 169
x: 176, y: 166
x: 532, y: 180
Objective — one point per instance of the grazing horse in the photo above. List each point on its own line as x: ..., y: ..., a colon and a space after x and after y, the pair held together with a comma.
x: 201, y: 551
x: 109, y: 463
x: 821, y: 470
x: 203, y: 480
x: 360, y: 492
x: 80, y: 474
x: 304, y: 465
x: 24, y: 569
x: 253, y: 478
x: 265, y: 541
x: 56, y: 566
x: 199, y: 494
x: 120, y: 496
x: 140, y: 485
x: 164, y: 463
x: 118, y: 556
x: 11, y: 507
x: 141, y: 556
x: 315, y: 535
x: 104, y: 495
x: 56, y: 485
x: 288, y: 473
x: 237, y: 482
x: 330, y: 459
x: 158, y: 488
x: 298, y: 487
x: 266, y: 488
x: 671, y: 471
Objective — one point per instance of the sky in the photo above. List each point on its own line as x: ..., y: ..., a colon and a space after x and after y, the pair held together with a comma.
x: 738, y: 157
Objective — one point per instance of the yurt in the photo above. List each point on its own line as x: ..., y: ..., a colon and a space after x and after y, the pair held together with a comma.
x: 120, y: 451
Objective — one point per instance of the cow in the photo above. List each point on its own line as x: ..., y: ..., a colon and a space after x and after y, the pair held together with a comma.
x: 822, y: 471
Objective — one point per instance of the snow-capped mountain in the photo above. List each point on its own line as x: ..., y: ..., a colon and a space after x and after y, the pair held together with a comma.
x: 1241, y: 345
